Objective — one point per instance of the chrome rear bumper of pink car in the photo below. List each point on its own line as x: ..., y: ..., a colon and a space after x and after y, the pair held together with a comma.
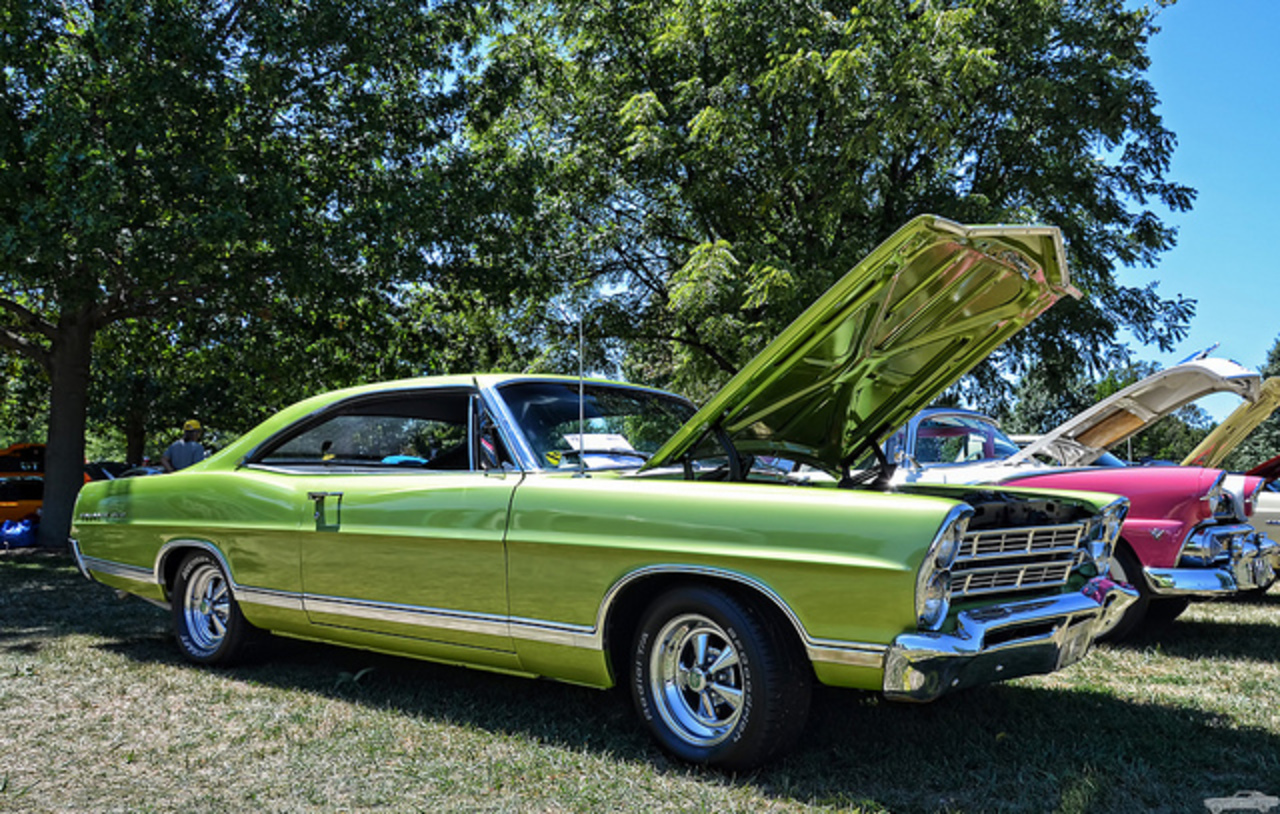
x: 999, y: 642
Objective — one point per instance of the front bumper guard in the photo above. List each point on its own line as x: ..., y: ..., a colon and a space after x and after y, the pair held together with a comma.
x: 999, y: 642
x: 1250, y: 563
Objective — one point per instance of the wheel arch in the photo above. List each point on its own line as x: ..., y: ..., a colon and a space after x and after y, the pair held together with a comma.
x: 169, y: 560
x: 629, y: 597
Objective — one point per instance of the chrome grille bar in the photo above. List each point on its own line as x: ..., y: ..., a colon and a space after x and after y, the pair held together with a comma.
x: 1015, y: 560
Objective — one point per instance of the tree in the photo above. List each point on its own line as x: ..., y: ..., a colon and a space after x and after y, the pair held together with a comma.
x: 232, y: 372
x: 1038, y: 407
x: 160, y: 158
x: 707, y: 167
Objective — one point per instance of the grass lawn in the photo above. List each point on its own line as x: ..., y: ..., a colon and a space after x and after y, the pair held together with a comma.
x: 99, y: 713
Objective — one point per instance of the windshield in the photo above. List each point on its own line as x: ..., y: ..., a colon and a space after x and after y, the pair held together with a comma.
x: 950, y: 439
x: 621, y: 427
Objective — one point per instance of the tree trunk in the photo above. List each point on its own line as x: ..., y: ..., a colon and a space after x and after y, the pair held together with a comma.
x: 135, y: 438
x: 69, y: 359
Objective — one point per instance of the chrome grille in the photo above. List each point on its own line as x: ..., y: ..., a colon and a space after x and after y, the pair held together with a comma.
x: 1012, y: 560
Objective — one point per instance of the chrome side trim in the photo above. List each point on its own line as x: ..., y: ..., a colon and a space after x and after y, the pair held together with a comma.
x: 852, y: 654
x: 266, y: 597
x: 437, y: 618
x: 865, y: 654
x: 133, y: 573
x: 543, y: 632
x: 539, y: 631
x: 244, y: 594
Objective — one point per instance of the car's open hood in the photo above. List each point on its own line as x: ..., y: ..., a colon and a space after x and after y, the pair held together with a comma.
x: 1217, y: 445
x: 1080, y: 441
x: 908, y: 321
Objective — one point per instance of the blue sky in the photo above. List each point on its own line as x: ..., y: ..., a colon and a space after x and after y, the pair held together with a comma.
x: 1216, y: 69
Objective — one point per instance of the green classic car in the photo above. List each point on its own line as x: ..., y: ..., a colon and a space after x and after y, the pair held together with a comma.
x: 602, y: 533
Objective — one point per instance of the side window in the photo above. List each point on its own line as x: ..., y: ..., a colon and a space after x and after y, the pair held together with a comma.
x: 426, y: 429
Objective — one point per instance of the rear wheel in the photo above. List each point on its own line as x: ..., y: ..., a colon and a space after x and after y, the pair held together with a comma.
x: 716, y: 682
x: 206, y: 618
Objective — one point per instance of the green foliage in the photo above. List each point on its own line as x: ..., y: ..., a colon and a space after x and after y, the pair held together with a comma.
x: 231, y: 372
x: 190, y: 164
x: 24, y: 402
x: 1039, y: 408
x: 656, y: 140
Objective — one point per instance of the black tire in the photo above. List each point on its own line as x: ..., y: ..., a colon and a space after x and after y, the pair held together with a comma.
x: 716, y: 682
x: 1162, y: 611
x: 1149, y: 614
x: 206, y: 617
x: 1126, y: 568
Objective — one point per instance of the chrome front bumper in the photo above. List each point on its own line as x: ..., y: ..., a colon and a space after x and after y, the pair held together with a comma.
x: 1003, y: 641
x: 1250, y: 560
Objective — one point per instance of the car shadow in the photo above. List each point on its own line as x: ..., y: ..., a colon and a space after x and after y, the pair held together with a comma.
x: 1020, y: 746
x: 1002, y: 747
x: 1192, y: 638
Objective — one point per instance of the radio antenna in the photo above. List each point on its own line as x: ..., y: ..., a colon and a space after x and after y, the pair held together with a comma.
x: 582, y: 408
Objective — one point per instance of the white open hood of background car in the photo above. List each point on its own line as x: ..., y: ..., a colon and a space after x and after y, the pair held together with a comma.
x: 1080, y: 441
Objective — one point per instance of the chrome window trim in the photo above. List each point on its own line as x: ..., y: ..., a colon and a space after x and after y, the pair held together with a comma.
x: 517, y: 444
x: 468, y: 390
x: 510, y: 428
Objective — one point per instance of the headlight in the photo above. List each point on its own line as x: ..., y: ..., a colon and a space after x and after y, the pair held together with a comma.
x: 948, y: 545
x: 935, y: 601
x: 1220, y: 500
x: 933, y: 583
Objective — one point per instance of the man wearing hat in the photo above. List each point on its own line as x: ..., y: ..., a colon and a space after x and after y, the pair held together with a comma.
x: 185, y: 451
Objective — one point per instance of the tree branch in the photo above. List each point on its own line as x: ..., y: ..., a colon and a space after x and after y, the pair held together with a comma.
x: 23, y: 345
x: 27, y: 318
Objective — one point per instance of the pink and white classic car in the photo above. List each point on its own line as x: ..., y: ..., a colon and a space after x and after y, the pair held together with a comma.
x: 1186, y: 534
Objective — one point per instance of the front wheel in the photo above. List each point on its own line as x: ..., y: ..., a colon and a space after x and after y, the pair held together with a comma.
x: 1150, y: 613
x: 716, y: 682
x: 206, y: 618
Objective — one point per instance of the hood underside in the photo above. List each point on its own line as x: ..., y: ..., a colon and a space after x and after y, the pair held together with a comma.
x: 1083, y: 439
x: 908, y: 321
x: 1217, y: 445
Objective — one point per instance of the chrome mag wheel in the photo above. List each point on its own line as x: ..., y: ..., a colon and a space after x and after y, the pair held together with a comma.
x: 206, y: 607
x: 696, y: 680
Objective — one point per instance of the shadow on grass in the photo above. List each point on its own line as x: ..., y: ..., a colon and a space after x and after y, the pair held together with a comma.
x: 1006, y: 747
x: 1237, y: 640
x: 1242, y: 641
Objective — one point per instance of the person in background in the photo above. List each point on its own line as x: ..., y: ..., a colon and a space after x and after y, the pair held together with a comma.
x: 185, y: 451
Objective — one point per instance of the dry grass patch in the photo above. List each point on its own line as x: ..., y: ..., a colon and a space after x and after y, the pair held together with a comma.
x: 98, y: 712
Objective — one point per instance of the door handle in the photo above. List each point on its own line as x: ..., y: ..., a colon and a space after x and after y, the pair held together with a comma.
x: 319, y: 497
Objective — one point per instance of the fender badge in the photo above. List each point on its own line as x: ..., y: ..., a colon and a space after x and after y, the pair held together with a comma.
x: 1157, y: 533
